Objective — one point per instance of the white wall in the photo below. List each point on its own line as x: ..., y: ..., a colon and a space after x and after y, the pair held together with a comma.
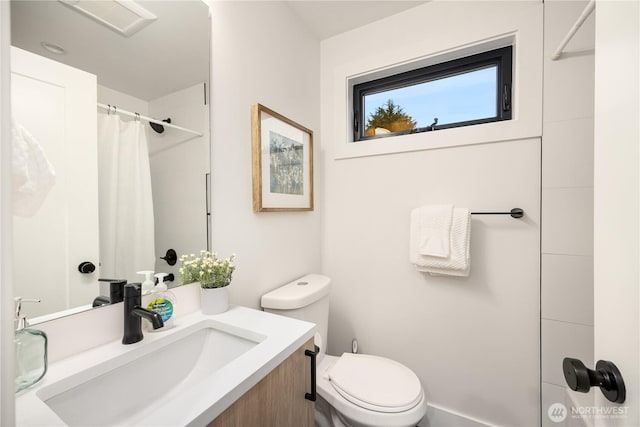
x: 567, y: 200
x: 402, y: 42
x: 617, y: 200
x: 261, y: 53
x: 179, y: 164
x: 7, y: 409
x: 122, y: 100
x: 473, y: 342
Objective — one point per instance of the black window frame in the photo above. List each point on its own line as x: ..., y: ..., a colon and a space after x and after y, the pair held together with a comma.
x: 502, y: 58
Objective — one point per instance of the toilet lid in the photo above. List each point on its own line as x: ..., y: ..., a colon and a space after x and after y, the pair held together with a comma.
x: 375, y: 383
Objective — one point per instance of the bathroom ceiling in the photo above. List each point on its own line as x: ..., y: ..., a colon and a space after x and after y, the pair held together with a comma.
x: 172, y: 52
x: 326, y: 18
x: 169, y: 54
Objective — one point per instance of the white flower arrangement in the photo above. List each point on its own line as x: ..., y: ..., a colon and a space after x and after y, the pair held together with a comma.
x: 208, y: 269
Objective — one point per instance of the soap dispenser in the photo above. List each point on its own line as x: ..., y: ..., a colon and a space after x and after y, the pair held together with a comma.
x: 162, y: 302
x: 147, y: 285
x: 30, y: 350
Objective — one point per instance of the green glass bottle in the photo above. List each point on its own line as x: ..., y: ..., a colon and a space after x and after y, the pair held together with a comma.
x: 30, y: 350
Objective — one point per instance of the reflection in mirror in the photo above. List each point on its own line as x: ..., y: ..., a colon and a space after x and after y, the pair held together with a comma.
x: 98, y: 192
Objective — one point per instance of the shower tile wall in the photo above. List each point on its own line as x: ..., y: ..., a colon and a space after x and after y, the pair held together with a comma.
x: 567, y: 201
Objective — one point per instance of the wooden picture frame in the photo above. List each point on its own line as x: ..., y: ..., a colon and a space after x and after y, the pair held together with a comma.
x: 282, y: 162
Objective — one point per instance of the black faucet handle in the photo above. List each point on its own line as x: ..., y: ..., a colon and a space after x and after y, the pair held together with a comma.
x: 116, y: 291
x: 132, y: 290
x: 171, y: 257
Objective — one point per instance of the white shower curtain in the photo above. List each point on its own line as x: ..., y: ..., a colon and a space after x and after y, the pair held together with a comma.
x: 126, y: 205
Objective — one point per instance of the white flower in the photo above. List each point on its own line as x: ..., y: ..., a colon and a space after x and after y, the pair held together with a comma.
x: 207, y: 268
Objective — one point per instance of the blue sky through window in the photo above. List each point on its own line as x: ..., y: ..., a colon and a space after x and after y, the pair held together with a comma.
x: 452, y: 99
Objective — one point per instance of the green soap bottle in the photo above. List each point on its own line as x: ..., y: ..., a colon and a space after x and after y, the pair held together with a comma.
x: 163, y: 302
x: 30, y: 350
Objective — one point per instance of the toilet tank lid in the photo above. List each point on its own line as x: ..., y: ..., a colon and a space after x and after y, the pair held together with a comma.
x: 298, y: 293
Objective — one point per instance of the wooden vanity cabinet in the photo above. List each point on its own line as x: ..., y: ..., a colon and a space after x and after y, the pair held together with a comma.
x: 278, y: 400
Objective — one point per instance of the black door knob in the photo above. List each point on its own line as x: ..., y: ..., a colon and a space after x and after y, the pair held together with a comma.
x: 607, y: 376
x: 86, y: 267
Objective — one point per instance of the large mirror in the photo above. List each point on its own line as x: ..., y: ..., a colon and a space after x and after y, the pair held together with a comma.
x: 99, y: 193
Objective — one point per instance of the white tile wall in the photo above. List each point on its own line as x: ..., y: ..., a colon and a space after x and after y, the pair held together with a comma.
x: 567, y: 288
x: 182, y: 183
x: 552, y: 394
x: 559, y: 17
x: 567, y: 154
x: 578, y: 400
x: 560, y: 340
x: 567, y: 221
x: 568, y: 82
x: 568, y: 86
x: 567, y: 203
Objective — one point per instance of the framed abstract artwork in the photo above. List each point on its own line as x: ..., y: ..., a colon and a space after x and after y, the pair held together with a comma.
x: 282, y: 162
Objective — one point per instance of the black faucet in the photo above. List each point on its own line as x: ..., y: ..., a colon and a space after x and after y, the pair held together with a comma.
x: 133, y: 314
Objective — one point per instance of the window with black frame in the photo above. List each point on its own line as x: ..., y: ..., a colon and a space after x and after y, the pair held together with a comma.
x: 467, y: 91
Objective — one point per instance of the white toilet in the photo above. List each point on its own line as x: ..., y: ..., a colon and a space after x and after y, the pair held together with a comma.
x: 355, y: 390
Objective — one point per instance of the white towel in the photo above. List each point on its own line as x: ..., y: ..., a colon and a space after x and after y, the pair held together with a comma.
x: 32, y: 173
x: 458, y: 261
x: 435, y: 229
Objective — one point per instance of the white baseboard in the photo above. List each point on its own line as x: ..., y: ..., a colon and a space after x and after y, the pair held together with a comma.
x: 440, y: 417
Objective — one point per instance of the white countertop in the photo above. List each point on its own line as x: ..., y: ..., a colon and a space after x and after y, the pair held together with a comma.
x: 204, y: 401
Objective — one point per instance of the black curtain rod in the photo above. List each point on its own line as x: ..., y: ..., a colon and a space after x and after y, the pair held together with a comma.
x: 515, y: 213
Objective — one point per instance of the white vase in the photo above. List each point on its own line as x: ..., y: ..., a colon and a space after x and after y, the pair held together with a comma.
x: 214, y: 300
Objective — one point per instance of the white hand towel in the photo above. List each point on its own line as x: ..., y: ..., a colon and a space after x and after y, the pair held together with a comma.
x: 435, y: 229
x: 458, y: 262
x: 32, y: 173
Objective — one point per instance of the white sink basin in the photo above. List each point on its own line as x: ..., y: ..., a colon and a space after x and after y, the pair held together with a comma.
x: 126, y: 389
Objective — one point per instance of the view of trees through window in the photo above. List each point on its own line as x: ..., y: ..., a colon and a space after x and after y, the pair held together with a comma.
x: 388, y: 118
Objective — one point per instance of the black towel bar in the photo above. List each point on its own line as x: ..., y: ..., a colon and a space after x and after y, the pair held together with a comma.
x: 515, y: 213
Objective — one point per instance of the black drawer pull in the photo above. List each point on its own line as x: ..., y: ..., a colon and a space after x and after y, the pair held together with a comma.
x: 312, y: 354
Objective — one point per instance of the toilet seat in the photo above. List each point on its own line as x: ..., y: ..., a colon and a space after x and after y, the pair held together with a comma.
x: 354, y: 415
x: 375, y: 383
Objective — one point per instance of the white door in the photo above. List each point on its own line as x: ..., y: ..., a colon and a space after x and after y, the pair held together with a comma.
x: 616, y: 210
x: 57, y: 105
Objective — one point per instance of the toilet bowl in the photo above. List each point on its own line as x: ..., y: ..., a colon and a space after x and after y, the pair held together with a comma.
x: 354, y: 390
x: 391, y: 396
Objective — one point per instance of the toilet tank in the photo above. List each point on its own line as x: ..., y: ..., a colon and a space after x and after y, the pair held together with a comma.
x: 306, y: 298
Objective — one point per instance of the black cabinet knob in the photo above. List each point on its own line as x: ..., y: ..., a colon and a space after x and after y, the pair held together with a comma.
x: 607, y: 376
x: 86, y: 267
